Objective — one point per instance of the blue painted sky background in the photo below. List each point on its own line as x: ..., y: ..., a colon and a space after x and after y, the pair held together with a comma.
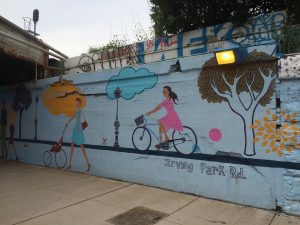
x: 72, y: 26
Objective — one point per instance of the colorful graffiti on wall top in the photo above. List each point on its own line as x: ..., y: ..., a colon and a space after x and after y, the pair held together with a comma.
x: 263, y: 29
x: 229, y: 84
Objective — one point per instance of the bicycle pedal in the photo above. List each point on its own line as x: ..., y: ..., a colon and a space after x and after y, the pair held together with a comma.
x: 165, y: 145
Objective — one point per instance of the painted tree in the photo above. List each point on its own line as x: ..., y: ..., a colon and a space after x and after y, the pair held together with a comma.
x: 243, y: 86
x: 22, y: 101
x: 61, y: 96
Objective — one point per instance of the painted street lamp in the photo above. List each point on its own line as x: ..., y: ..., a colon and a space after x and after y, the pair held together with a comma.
x: 117, y: 94
x: 36, y: 120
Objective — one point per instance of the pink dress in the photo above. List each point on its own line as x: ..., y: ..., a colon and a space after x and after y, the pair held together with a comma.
x: 171, y: 120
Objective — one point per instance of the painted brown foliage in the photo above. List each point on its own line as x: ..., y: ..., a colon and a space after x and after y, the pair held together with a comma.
x: 250, y: 81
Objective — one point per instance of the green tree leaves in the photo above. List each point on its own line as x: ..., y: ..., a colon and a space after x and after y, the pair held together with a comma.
x: 173, y: 16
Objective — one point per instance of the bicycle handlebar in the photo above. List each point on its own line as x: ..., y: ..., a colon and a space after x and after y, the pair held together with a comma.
x: 146, y: 118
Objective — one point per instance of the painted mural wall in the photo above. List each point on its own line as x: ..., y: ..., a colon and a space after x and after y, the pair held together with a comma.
x: 227, y: 132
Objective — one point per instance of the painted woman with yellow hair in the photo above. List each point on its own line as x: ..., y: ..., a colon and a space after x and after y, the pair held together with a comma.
x: 77, y: 135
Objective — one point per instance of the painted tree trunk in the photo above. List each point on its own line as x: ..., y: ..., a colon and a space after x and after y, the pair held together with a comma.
x: 249, y: 146
x: 20, y: 123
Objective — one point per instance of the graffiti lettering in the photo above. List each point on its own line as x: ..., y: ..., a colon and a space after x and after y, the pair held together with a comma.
x: 200, y: 39
x: 132, y: 54
x: 180, y: 165
x: 260, y: 29
x: 161, y: 43
x: 236, y: 173
x: 218, y: 170
x: 263, y: 29
x: 212, y: 170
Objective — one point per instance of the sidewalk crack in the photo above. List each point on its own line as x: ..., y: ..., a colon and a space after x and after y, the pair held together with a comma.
x: 271, y: 221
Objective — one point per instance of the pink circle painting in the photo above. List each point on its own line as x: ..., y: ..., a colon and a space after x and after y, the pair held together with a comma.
x: 215, y: 134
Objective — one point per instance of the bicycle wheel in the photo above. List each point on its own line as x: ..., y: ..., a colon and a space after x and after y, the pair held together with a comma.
x: 60, y: 159
x: 47, y: 158
x: 184, y: 142
x: 141, y: 138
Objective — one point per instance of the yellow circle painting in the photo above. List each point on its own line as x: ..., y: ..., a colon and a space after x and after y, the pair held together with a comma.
x: 60, y: 98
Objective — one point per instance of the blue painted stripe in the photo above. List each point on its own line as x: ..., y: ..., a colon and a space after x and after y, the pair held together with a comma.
x: 200, y: 156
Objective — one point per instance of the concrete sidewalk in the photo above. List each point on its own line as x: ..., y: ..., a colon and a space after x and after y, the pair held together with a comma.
x: 32, y: 195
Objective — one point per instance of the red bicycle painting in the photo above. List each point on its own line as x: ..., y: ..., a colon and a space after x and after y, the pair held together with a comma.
x: 59, y: 154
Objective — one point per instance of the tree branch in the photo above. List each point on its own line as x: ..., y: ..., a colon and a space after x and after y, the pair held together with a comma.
x: 267, y: 81
x: 236, y: 79
x: 234, y: 89
x: 266, y: 85
x: 226, y: 82
x: 249, y: 87
x: 233, y: 99
x: 224, y: 95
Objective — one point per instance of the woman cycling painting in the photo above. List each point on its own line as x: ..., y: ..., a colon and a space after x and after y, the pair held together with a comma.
x: 171, y: 120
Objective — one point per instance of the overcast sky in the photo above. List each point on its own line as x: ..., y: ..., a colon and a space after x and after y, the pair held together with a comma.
x: 71, y: 26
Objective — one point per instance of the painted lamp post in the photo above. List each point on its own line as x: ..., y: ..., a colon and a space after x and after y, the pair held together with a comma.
x: 117, y: 94
x: 36, y: 120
